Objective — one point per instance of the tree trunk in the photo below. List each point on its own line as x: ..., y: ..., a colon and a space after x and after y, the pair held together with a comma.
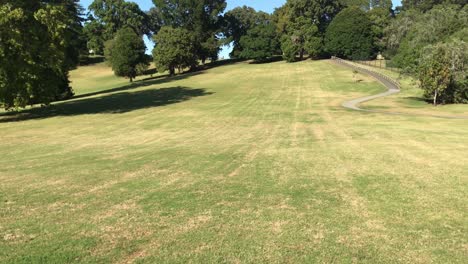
x: 131, y: 79
x: 301, y: 54
x: 171, y: 71
x: 435, y: 98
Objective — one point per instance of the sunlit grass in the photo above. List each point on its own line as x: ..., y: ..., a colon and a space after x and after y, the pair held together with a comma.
x: 239, y: 163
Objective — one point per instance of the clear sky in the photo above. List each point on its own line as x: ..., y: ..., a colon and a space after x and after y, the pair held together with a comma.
x: 264, y: 5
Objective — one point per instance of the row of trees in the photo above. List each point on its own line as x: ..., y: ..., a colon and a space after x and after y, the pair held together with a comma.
x: 41, y: 40
x: 190, y: 31
x: 426, y: 38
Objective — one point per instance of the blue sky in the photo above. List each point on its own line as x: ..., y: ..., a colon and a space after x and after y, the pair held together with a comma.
x: 264, y: 5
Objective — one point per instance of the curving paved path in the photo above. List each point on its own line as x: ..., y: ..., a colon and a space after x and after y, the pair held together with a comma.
x: 392, y: 86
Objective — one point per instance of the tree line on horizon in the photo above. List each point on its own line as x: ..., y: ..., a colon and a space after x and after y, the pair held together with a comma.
x: 42, y: 40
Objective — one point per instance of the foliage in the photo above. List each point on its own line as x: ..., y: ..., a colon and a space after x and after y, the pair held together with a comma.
x: 426, y: 5
x: 349, y: 35
x: 94, y: 32
x: 175, y: 48
x: 126, y: 53
x: 260, y: 43
x: 289, y: 48
x: 305, y: 22
x: 109, y: 16
x: 238, y: 22
x: 380, y: 18
x: 200, y: 17
x: 443, y: 73
x: 39, y: 43
x: 436, y: 25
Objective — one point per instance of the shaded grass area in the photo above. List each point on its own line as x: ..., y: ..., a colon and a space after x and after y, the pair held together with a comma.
x: 115, y: 103
x: 250, y: 163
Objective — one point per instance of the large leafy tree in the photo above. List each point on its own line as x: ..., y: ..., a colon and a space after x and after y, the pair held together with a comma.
x: 109, y: 16
x: 175, y: 49
x: 260, y: 43
x: 201, y: 17
x: 125, y: 53
x: 349, y: 35
x: 94, y: 32
x: 39, y: 44
x: 238, y: 22
x: 303, y: 23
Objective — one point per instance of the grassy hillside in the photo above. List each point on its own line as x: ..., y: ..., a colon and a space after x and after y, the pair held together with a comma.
x: 240, y: 163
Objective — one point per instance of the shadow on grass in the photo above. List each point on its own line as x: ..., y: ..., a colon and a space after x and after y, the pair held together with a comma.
x: 114, y: 104
x: 418, y: 99
x: 141, y: 83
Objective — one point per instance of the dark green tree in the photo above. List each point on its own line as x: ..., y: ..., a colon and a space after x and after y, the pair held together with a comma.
x: 39, y: 44
x: 201, y: 17
x: 109, y: 16
x: 380, y: 18
x: 94, y: 32
x: 349, y: 35
x: 305, y: 22
x: 240, y: 20
x: 126, y: 53
x: 175, y: 49
x: 260, y: 43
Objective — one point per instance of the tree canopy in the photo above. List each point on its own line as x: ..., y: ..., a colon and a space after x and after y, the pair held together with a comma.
x: 125, y: 53
x: 39, y: 43
x: 302, y: 24
x: 175, y: 49
x: 349, y: 35
x: 109, y: 16
x: 238, y: 22
x: 201, y: 17
x: 260, y: 43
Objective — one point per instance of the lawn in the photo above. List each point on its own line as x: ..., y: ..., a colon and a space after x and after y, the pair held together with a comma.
x: 244, y: 163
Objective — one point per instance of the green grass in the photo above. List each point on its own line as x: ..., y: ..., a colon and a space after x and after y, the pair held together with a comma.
x: 239, y: 163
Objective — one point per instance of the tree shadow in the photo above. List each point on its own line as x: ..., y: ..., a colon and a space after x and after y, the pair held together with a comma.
x: 268, y: 60
x: 140, y: 83
x: 112, y: 104
x: 414, y: 98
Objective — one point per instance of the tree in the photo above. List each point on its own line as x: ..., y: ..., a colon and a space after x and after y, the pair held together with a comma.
x: 380, y: 17
x: 238, y: 22
x: 305, y: 22
x: 125, y: 53
x: 260, y: 43
x: 426, y: 5
x: 175, y: 49
x: 94, y: 32
x: 349, y: 35
x: 39, y: 44
x: 109, y: 16
x: 436, y: 25
x: 201, y: 17
x: 434, y: 74
x: 443, y: 73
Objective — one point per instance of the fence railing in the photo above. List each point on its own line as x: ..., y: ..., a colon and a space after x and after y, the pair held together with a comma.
x: 381, y: 64
x: 381, y: 77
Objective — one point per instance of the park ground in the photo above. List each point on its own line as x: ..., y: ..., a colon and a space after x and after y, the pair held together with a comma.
x: 244, y: 163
